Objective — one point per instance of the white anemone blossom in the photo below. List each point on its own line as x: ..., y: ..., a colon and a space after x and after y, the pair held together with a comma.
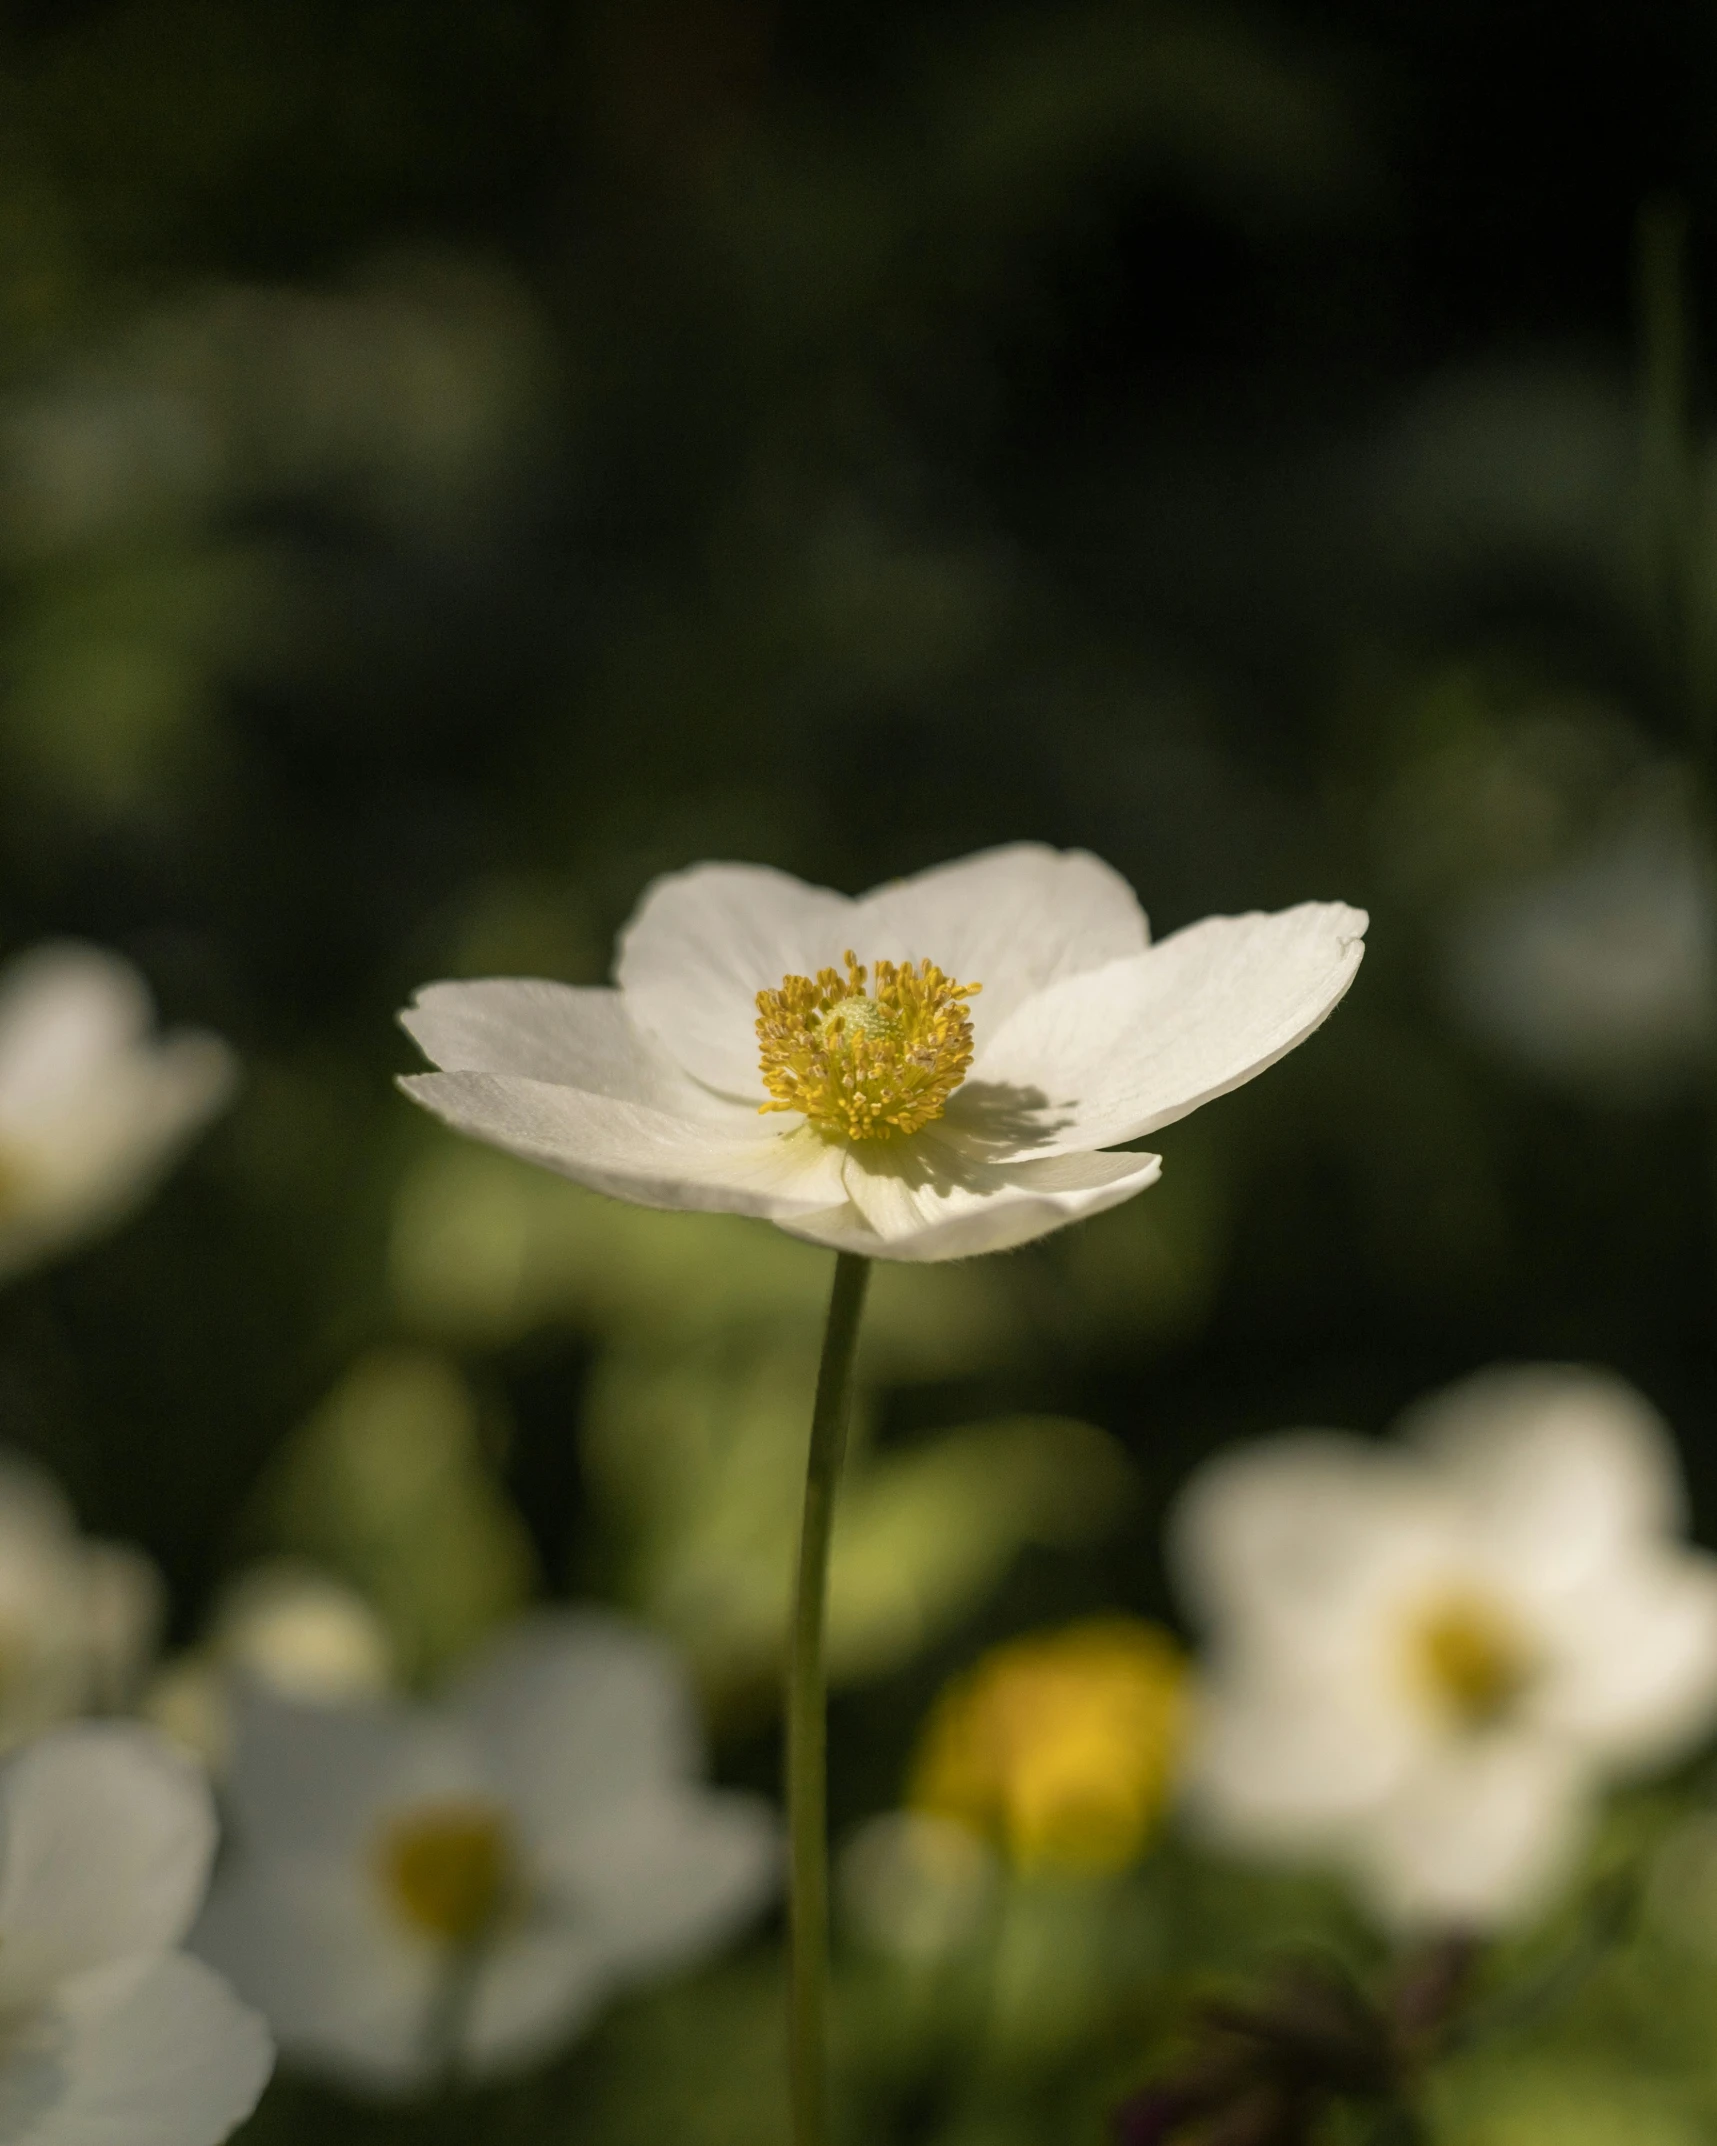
x: 94, y: 1106
x: 112, y: 2032
x: 419, y: 1892
x: 78, y: 1618
x: 1428, y: 1657
x: 940, y: 1067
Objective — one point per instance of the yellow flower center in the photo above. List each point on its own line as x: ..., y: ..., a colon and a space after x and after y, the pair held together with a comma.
x: 447, y: 1868
x: 1472, y: 1658
x: 865, y: 1064
x: 1061, y: 1747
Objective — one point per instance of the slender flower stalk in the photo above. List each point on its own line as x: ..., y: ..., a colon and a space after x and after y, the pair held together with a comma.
x: 807, y: 1728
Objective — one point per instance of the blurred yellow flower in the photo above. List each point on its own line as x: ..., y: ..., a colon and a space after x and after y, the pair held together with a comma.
x: 1061, y: 1747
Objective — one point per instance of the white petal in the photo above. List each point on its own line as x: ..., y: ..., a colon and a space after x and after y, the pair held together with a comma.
x: 1478, y: 1839
x: 1015, y: 920
x: 1117, y: 1052
x: 666, y: 1879
x: 319, y: 1779
x: 1289, y: 1769
x: 106, y: 1836
x: 343, y: 1985
x: 534, y: 1991
x: 65, y: 1009
x: 702, y: 944
x: 579, y: 1713
x: 81, y: 1158
x: 1633, y: 1673
x: 924, y: 1201
x: 738, y: 1164
x: 1561, y: 1469
x: 145, y: 2053
x: 570, y: 1037
x: 1307, y: 1537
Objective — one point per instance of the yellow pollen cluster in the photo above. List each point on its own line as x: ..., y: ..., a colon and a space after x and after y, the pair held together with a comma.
x: 865, y: 1064
x: 447, y: 1868
x: 1472, y: 1658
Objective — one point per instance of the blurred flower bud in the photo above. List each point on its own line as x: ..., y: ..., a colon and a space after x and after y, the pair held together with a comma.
x: 1060, y: 1747
x: 78, y: 1619
x: 93, y: 1106
x: 916, y: 1886
x: 302, y: 1634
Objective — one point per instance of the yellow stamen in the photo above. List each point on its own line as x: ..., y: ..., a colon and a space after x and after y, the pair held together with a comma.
x: 1472, y: 1658
x: 865, y: 1065
x: 447, y: 1868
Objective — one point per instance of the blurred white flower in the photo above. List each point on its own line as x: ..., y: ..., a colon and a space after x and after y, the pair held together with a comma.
x: 106, y: 1837
x: 94, y: 1106
x: 1427, y: 1658
x: 956, y: 1088
x: 78, y: 1619
x: 286, y: 1627
x: 1602, y: 974
x: 419, y: 1891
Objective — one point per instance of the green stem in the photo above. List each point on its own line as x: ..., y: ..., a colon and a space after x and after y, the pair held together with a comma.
x: 807, y: 1732
x: 1669, y: 496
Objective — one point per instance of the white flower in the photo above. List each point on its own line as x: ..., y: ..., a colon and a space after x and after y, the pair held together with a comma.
x: 111, y: 2033
x: 78, y: 1619
x: 93, y: 1105
x: 1007, y: 1023
x: 1600, y: 974
x: 1428, y: 1657
x: 421, y: 1890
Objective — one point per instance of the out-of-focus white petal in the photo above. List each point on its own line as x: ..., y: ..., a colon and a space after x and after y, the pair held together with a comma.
x: 559, y: 1033
x: 1561, y: 1468
x: 77, y: 1619
x: 669, y: 1876
x: 1117, y: 1052
x: 153, y: 2052
x: 702, y: 944
x: 579, y: 1713
x: 537, y: 1987
x: 923, y: 1200
x: 733, y: 1165
x: 80, y: 1155
x: 65, y: 1010
x: 106, y: 1837
x: 1016, y: 920
x: 1631, y: 1675
x: 308, y: 1940
x: 1479, y: 1837
x: 1289, y: 1768
x: 319, y: 1779
x: 1308, y: 1529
